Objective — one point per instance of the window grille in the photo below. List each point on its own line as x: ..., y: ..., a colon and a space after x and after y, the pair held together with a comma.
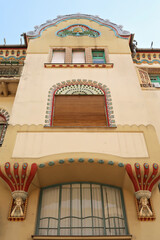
x: 83, y: 209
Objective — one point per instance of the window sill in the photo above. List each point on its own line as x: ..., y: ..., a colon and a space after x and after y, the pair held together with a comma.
x: 148, y: 87
x: 124, y: 237
x: 78, y: 65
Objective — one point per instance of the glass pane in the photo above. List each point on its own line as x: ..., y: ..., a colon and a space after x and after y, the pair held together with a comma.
x: 52, y: 232
x: 43, y: 232
x: 76, y: 231
x: 50, y: 202
x: 43, y: 223
x: 97, y: 206
x: 99, y: 60
x: 76, y: 202
x: 65, y: 206
x: 65, y: 231
x: 81, y: 210
x: 87, y: 231
x: 86, y: 206
x: 98, y: 231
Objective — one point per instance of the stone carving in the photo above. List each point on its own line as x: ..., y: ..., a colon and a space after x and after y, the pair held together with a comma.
x: 17, y: 210
x: 144, y: 210
x: 18, y: 177
x: 143, y: 181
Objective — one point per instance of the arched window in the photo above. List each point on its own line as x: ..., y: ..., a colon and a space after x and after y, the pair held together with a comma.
x: 81, y: 209
x: 79, y: 103
x: 4, y: 117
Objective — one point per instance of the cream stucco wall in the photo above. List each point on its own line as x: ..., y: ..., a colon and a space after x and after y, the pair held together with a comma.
x: 131, y: 105
x: 35, y: 145
x: 6, y: 103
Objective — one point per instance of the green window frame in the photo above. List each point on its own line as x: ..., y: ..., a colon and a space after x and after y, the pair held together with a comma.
x: 108, y: 218
x: 98, y: 56
x: 155, y: 79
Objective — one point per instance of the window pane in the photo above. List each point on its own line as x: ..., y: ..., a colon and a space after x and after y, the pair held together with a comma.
x: 155, y: 80
x: 78, y: 57
x: 98, y: 57
x: 78, y: 209
x: 58, y: 56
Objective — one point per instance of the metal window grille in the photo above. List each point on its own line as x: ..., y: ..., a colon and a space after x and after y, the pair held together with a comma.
x: 83, y: 209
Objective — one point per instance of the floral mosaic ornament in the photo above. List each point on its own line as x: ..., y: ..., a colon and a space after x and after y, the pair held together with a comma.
x: 143, y: 179
x: 80, y: 87
x: 78, y: 30
x: 18, y: 177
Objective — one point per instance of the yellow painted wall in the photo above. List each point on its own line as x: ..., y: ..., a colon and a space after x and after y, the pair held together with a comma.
x: 6, y: 103
x: 107, y: 38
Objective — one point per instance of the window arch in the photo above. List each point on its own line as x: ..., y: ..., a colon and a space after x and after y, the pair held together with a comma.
x: 4, y: 118
x: 81, y: 209
x: 79, y: 103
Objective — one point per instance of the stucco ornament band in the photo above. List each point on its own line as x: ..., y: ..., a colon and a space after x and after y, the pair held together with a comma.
x: 78, y: 30
x: 79, y: 87
x: 117, y: 29
x: 143, y: 179
x: 18, y: 177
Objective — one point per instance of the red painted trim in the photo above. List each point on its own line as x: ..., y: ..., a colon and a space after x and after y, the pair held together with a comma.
x: 146, y: 173
x: 138, y: 175
x: 51, y: 121
x: 23, y: 176
x: 153, y: 183
x: 130, y: 174
x: 9, y: 175
x: 16, y: 175
x: 153, y: 175
x: 10, y: 184
x: 31, y: 176
x: 106, y: 107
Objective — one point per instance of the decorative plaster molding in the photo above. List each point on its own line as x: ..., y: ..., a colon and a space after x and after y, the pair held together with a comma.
x: 93, y: 86
x: 18, y: 177
x: 117, y: 29
x: 143, y: 179
x: 78, y: 30
x: 78, y: 65
x: 80, y: 160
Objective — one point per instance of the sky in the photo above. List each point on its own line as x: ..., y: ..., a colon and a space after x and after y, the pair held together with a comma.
x: 140, y: 17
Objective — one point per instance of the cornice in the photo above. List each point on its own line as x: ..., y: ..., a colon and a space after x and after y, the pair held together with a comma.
x: 118, y: 29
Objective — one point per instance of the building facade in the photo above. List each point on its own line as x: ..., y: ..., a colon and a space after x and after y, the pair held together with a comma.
x: 79, y: 134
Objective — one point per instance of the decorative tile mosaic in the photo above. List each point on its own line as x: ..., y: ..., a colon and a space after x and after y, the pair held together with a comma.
x: 78, y: 30
x: 79, y: 86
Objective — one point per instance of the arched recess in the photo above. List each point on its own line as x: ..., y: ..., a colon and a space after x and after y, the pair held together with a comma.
x: 79, y: 87
x: 4, y: 118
